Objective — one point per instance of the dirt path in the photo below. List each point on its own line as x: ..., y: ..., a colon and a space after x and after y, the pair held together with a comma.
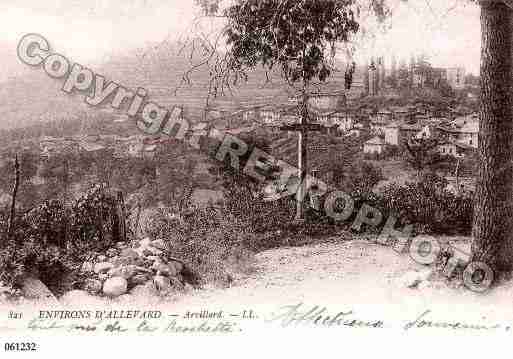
x: 358, y: 275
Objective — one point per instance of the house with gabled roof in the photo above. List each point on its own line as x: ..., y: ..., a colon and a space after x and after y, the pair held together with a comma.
x: 428, y: 131
x: 375, y: 145
x: 403, y: 113
x: 396, y: 133
x: 454, y: 148
x: 469, y: 134
x: 269, y: 114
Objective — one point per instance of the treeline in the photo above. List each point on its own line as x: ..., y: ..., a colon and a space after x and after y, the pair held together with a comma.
x: 84, y: 123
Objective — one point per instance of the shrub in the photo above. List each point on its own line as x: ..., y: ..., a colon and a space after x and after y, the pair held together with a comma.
x: 428, y: 205
x: 51, y: 241
x: 92, y: 220
x: 213, y: 245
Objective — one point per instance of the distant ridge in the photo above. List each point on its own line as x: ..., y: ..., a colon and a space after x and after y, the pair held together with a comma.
x: 35, y: 97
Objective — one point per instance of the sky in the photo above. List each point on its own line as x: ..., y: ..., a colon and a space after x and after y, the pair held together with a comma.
x: 90, y: 31
x: 449, y: 31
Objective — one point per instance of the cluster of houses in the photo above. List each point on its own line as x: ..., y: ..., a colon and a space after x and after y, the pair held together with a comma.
x: 456, y: 133
x: 456, y: 128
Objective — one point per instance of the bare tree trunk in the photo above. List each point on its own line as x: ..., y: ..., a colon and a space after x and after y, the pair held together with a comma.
x: 302, y: 153
x: 366, y: 78
x: 493, y: 230
x: 65, y: 201
x: 12, y: 214
x: 137, y: 220
x: 119, y: 230
x: 457, y: 175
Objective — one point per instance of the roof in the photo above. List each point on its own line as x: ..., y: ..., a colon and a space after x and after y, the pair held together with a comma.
x: 236, y: 131
x: 48, y: 139
x: 405, y: 127
x: 458, y: 144
x: 150, y: 148
x: 375, y: 141
x: 91, y: 147
x: 470, y: 127
x: 199, y: 126
x: 379, y: 121
x: 402, y: 110
x: 447, y: 129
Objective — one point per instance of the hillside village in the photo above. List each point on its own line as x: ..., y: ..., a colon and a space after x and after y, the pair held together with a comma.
x: 375, y: 113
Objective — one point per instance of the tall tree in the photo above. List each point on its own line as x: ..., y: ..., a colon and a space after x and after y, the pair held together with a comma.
x: 298, y: 37
x: 422, y: 154
x: 366, y: 78
x: 492, y: 230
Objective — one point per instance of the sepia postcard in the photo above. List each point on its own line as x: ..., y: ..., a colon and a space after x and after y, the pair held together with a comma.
x: 279, y: 178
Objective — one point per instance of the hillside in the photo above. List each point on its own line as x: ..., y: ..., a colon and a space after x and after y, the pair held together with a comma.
x: 32, y: 97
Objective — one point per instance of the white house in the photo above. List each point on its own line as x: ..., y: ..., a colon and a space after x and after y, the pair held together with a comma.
x: 454, y: 148
x: 469, y: 134
x: 456, y: 77
x: 269, y: 115
x: 395, y: 133
x: 427, y: 131
x: 249, y: 115
x: 384, y: 115
x: 375, y: 145
x: 344, y: 120
x: 392, y: 134
x: 135, y: 149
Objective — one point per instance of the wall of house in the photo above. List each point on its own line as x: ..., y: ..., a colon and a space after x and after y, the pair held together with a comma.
x: 367, y: 148
x: 450, y: 149
x: 392, y: 136
x: 471, y: 139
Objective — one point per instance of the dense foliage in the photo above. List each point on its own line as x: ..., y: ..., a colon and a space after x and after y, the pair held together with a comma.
x: 429, y: 206
x: 296, y: 35
x: 51, y: 241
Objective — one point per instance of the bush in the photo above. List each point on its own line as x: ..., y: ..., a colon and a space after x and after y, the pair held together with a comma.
x: 212, y: 244
x: 92, y: 220
x: 428, y: 205
x: 51, y: 241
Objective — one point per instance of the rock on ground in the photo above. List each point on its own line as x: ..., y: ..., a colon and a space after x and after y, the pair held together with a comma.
x: 103, y: 267
x: 412, y: 279
x: 147, y: 290
x: 33, y: 288
x: 114, y: 287
x: 93, y: 286
x: 162, y: 283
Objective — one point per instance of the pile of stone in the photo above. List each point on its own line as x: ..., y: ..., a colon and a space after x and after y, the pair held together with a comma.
x: 416, y: 279
x: 8, y: 293
x: 123, y: 269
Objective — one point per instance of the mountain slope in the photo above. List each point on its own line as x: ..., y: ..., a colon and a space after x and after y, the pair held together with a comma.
x: 32, y: 97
